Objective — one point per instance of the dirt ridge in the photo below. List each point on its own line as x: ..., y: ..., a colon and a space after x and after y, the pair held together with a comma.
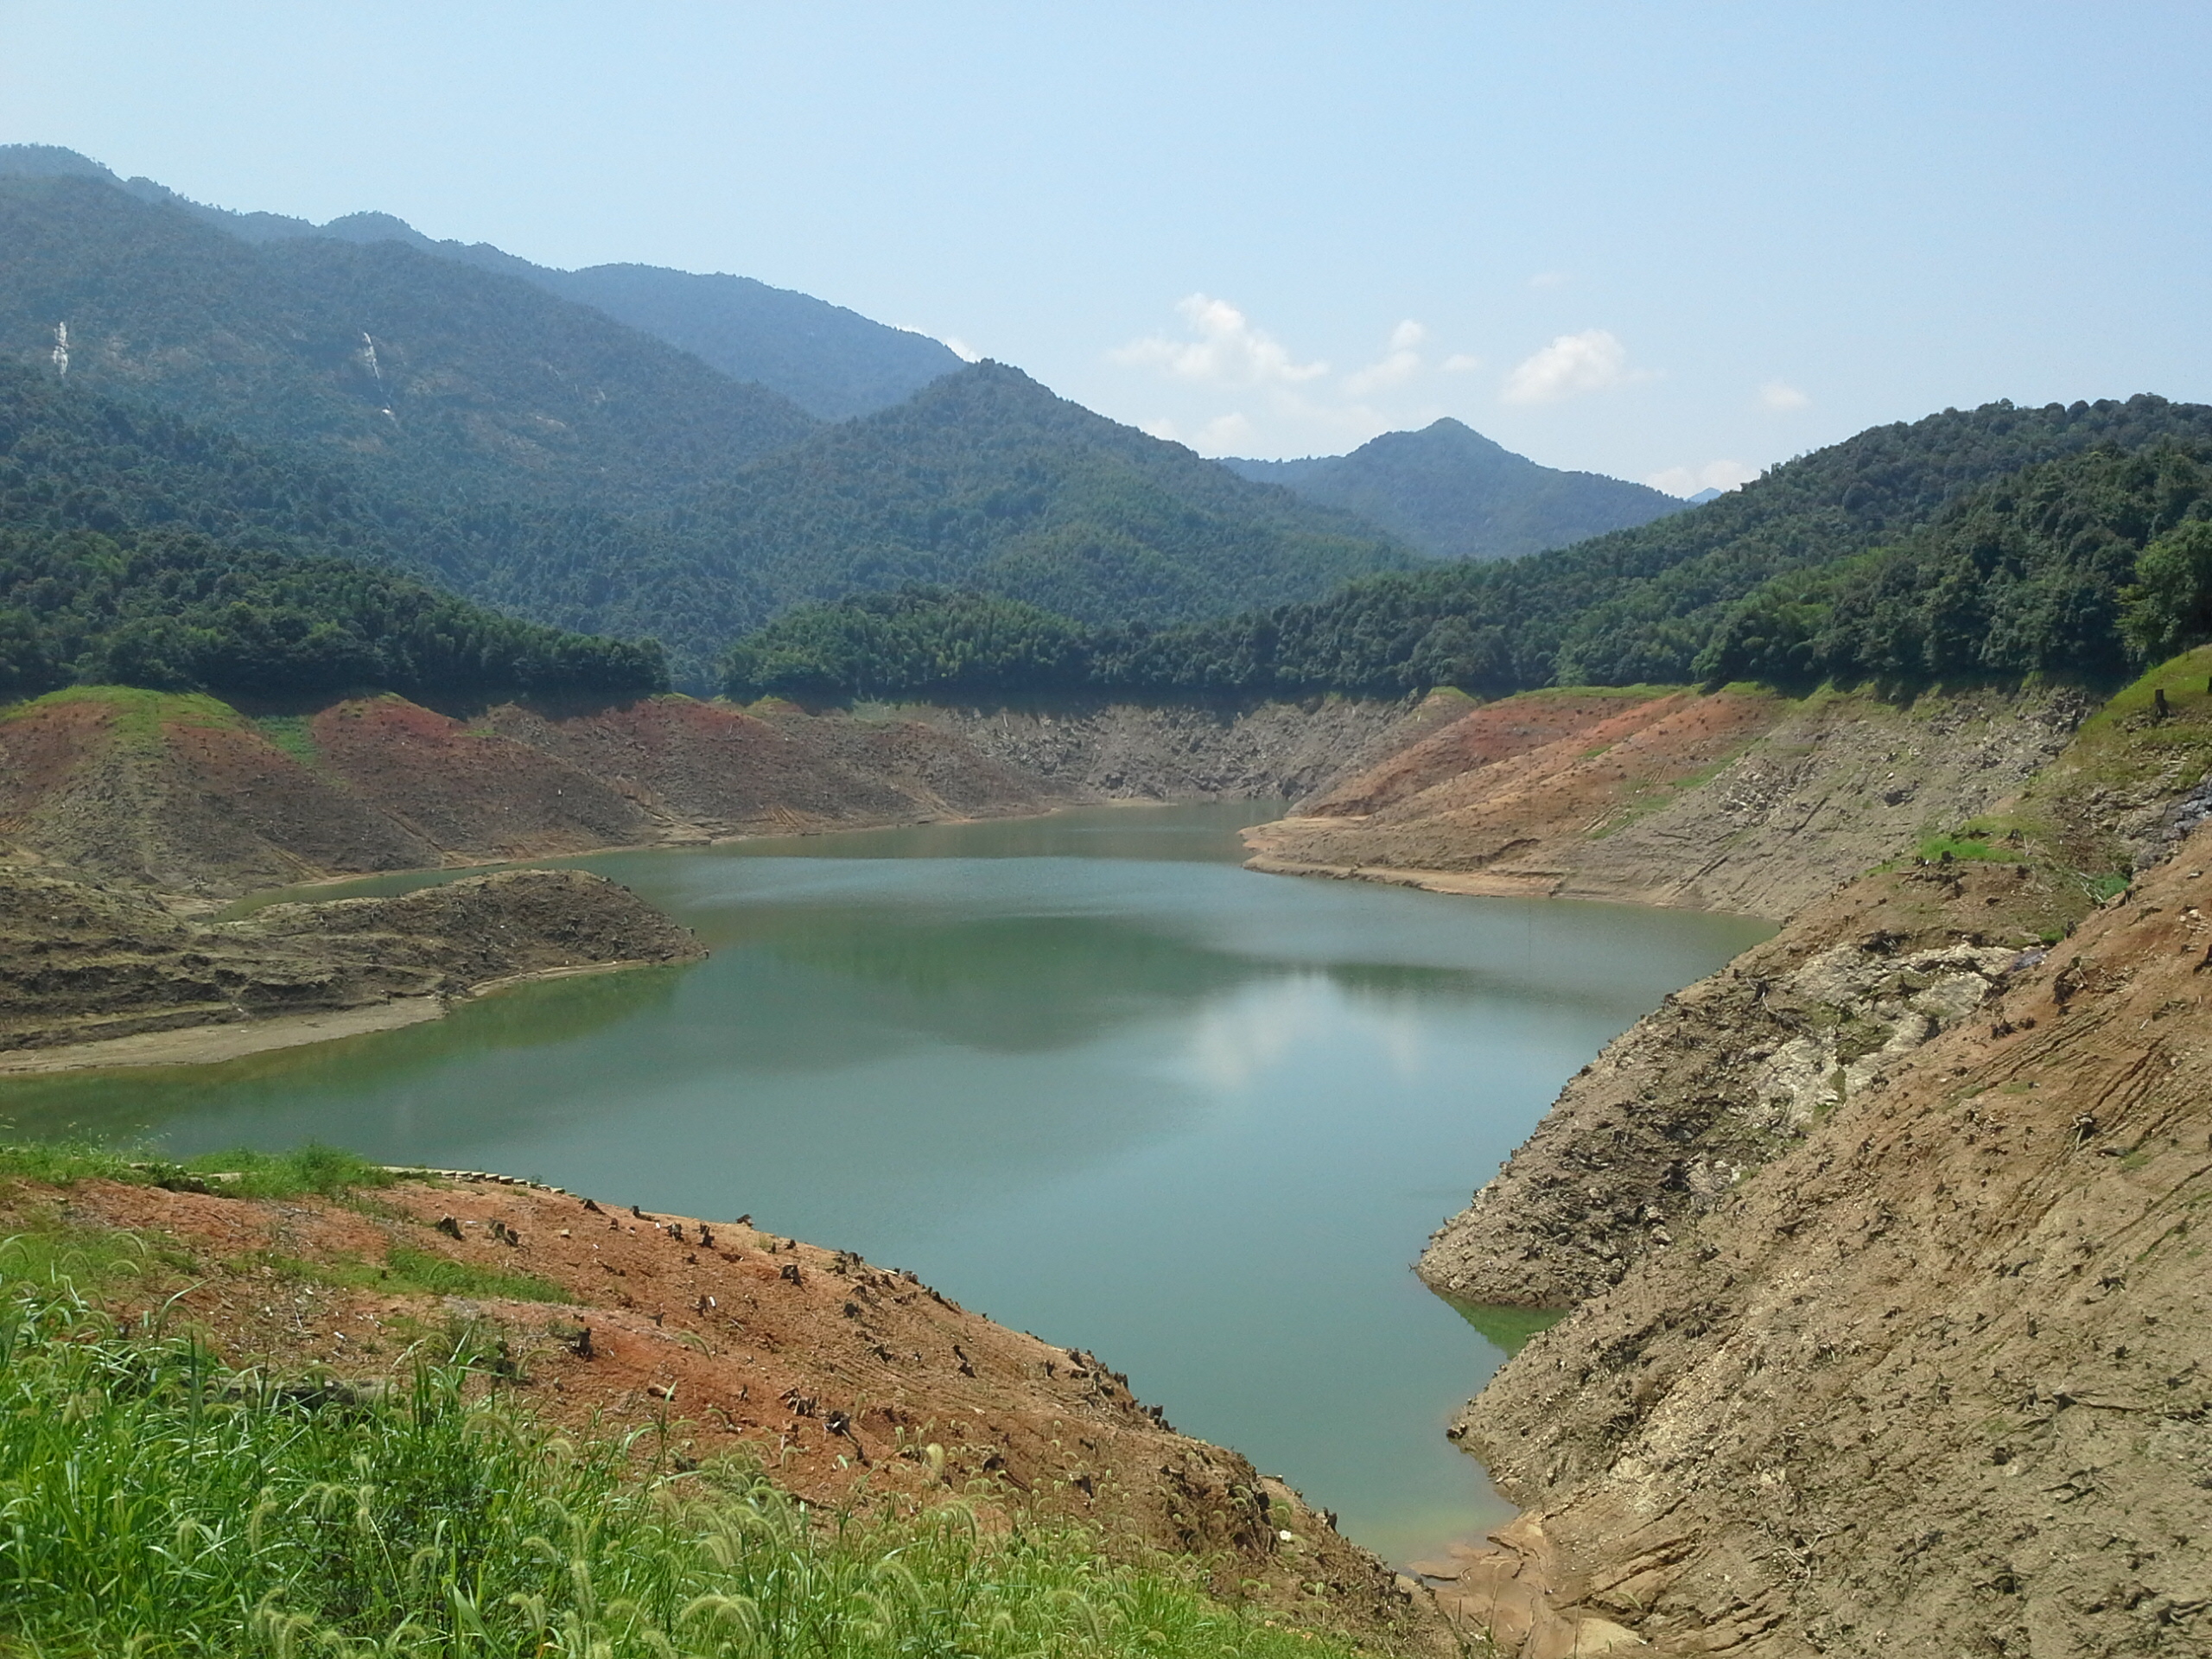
x: 849, y: 1382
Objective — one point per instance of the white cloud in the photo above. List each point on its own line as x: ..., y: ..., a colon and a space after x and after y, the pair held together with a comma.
x: 1400, y: 365
x: 1713, y: 475
x: 1570, y: 365
x: 1233, y: 389
x: 960, y: 349
x: 1224, y: 348
x: 1550, y: 279
x: 1779, y: 397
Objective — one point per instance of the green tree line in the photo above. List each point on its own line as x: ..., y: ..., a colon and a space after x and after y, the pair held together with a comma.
x: 2000, y: 542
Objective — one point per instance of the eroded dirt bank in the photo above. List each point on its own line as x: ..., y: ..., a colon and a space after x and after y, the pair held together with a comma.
x: 1734, y: 801
x: 849, y: 1382
x: 1266, y: 751
x: 94, y: 976
x: 1939, y: 1378
x: 1888, y: 1334
x: 188, y: 796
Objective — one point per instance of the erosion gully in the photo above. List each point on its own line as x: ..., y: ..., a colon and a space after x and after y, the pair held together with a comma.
x: 1083, y: 1073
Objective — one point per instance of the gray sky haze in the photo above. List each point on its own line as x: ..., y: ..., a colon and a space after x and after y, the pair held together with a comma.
x: 1675, y: 243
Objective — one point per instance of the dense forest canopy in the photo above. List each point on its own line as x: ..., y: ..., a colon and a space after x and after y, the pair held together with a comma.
x: 987, y: 480
x: 532, y: 454
x: 138, y: 547
x: 2055, y: 569
x: 2036, y: 563
x: 1454, y: 493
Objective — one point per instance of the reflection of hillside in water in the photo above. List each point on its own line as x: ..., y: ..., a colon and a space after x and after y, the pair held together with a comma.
x: 125, y: 1105
x: 1030, y: 984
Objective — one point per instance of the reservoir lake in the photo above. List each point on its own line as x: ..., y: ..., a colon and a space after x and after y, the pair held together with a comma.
x: 1081, y: 1073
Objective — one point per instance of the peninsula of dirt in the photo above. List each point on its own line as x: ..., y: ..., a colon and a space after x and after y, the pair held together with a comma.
x: 92, y: 975
x: 853, y: 1385
x: 1736, y: 800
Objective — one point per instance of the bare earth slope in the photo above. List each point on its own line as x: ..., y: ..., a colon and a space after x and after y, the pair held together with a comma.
x: 190, y: 795
x: 852, y: 1384
x: 1935, y: 1381
x: 1733, y: 800
x: 95, y: 975
x: 1733, y: 1071
x: 1133, y: 751
x: 1890, y: 1338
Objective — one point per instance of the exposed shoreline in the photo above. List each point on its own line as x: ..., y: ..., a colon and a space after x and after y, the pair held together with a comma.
x: 211, y: 1044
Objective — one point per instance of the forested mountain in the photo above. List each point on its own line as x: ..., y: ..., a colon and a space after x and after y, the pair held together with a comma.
x: 831, y: 362
x: 140, y: 550
x: 2073, y: 567
x: 988, y: 480
x: 449, y: 382
x: 530, y: 454
x: 1454, y: 494
x: 1994, y: 543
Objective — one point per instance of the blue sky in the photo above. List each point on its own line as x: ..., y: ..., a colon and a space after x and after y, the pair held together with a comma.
x: 1668, y: 242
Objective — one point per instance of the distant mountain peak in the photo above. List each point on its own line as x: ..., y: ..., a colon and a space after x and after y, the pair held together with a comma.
x: 1456, y: 494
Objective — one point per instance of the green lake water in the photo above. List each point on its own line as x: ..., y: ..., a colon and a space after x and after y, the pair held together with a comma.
x: 1081, y: 1073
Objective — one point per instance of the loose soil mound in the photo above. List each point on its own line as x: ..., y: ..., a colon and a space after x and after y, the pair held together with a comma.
x: 850, y: 1383
x: 82, y: 966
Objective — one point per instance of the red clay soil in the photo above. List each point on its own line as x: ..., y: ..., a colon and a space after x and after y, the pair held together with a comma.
x: 197, y: 799
x: 1512, y: 787
x: 850, y: 1383
x: 730, y: 771
x: 468, y: 791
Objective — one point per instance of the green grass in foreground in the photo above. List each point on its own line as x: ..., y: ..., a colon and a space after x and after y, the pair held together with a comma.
x: 329, y: 1171
x: 156, y: 1504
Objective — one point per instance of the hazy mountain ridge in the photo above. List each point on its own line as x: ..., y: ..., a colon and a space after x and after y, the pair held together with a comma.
x: 1456, y: 494
x: 456, y: 383
x: 831, y: 361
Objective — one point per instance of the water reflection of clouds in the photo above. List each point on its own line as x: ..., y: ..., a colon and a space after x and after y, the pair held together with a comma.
x: 1236, y: 1043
